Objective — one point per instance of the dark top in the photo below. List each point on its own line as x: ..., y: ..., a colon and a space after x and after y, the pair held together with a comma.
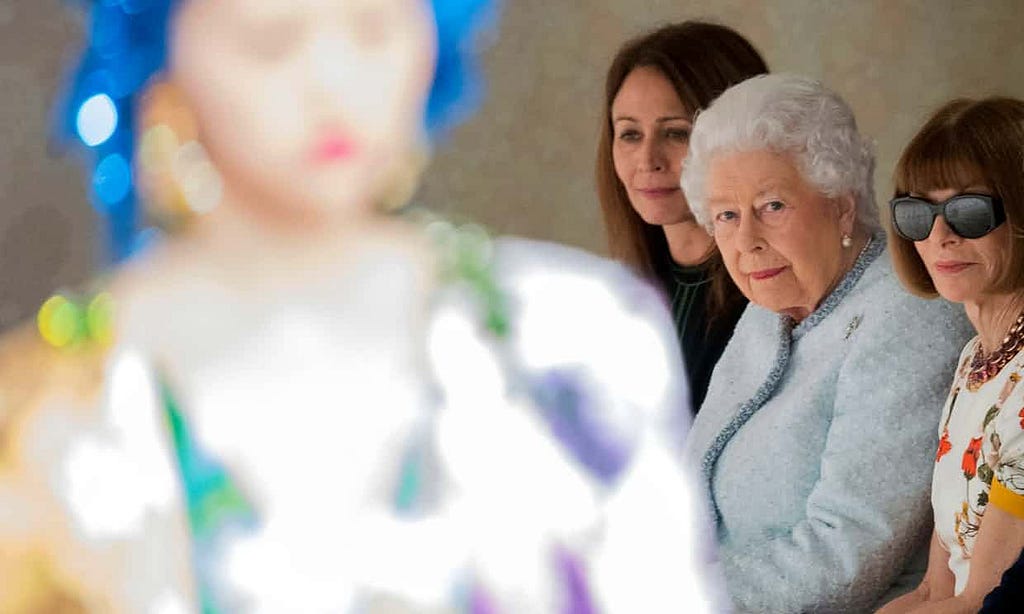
x: 688, y: 291
x: 1009, y: 595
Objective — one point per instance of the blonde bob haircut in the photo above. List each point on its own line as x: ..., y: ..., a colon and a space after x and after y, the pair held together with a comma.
x: 964, y: 143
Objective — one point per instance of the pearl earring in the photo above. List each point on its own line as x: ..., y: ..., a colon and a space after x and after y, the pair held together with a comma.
x: 846, y: 241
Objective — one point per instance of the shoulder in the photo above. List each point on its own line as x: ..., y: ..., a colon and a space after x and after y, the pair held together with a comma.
x: 520, y: 260
x: 32, y: 372
x: 46, y: 396
x: 575, y: 287
x: 887, y: 309
x: 568, y: 309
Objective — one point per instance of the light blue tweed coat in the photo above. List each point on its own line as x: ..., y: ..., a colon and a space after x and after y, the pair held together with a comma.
x: 817, y: 442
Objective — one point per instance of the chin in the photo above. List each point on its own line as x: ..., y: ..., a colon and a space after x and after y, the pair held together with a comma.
x: 664, y: 218
x: 775, y: 303
x: 957, y: 295
x: 659, y: 212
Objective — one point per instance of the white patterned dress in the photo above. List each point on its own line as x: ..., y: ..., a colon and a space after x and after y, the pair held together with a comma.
x: 509, y: 450
x: 980, y: 458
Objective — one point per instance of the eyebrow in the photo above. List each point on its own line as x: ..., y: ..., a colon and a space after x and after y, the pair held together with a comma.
x: 713, y: 202
x: 769, y: 187
x: 660, y: 120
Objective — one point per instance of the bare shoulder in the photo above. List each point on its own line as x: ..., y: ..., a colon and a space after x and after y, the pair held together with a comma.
x: 34, y: 374
x: 40, y: 389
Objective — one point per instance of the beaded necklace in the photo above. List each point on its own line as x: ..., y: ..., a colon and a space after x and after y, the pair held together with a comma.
x: 984, y: 368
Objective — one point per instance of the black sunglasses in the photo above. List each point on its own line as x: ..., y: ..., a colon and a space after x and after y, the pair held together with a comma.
x: 970, y: 216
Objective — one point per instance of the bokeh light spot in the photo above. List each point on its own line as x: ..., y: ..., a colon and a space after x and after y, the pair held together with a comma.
x: 112, y: 180
x: 99, y: 318
x: 97, y: 120
x: 59, y: 321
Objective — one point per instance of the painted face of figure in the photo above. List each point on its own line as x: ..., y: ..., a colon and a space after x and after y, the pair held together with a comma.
x: 651, y: 129
x: 780, y: 238
x: 305, y: 106
x: 963, y: 270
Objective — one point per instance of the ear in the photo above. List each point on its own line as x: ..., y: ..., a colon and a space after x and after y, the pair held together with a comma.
x: 847, y: 207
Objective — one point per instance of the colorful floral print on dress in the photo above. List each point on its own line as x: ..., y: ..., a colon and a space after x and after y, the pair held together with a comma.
x: 990, y: 446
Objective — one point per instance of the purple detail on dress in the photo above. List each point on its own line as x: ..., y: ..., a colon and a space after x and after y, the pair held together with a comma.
x: 480, y: 602
x: 577, y: 595
x: 575, y: 421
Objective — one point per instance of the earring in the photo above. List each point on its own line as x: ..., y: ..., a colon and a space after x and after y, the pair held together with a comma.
x: 846, y: 241
x: 404, y: 180
x: 176, y: 174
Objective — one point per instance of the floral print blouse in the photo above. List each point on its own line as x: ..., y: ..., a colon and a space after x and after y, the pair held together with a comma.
x: 980, y: 458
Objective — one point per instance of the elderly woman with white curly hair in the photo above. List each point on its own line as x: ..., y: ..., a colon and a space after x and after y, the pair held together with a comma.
x: 817, y: 434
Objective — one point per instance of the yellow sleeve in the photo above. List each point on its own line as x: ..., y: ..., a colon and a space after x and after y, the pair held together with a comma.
x: 1006, y: 499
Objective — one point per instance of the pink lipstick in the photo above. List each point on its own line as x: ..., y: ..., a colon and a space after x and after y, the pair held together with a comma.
x: 951, y: 266
x: 333, y: 148
x: 766, y: 273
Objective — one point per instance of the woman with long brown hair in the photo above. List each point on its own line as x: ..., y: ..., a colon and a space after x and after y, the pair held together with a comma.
x: 654, y: 87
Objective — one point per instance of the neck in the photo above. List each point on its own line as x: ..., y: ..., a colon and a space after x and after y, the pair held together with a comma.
x: 992, y: 317
x: 688, y: 243
x: 260, y: 248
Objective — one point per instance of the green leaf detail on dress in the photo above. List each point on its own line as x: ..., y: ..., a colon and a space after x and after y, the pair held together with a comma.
x: 985, y: 474
x: 982, y: 498
x: 990, y: 415
x: 409, y: 490
x: 213, y: 500
x: 211, y: 495
x: 467, y: 256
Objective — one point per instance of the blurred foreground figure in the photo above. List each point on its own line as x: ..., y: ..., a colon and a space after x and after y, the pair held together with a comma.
x: 300, y: 404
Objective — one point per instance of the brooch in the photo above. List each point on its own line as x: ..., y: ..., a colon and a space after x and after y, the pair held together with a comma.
x: 852, y: 326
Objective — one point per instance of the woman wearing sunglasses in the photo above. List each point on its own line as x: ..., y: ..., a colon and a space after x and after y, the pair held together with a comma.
x: 957, y: 233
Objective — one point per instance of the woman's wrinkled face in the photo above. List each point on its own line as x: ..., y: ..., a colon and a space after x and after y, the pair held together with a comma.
x: 651, y: 135
x: 305, y: 105
x: 779, y: 236
x: 963, y: 270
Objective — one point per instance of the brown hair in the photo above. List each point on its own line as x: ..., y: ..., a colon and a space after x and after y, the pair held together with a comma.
x: 965, y: 142
x: 701, y: 60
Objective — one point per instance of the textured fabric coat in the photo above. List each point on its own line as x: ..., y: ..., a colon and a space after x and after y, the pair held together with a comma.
x: 817, y: 442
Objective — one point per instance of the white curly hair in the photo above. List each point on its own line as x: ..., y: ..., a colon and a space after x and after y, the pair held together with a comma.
x: 786, y: 114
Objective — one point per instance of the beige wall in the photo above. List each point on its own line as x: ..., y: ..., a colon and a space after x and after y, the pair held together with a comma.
x: 524, y: 164
x: 46, y: 226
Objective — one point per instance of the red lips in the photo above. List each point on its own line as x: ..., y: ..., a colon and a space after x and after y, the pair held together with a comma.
x: 951, y: 266
x: 766, y: 273
x: 333, y: 148
x: 658, y: 192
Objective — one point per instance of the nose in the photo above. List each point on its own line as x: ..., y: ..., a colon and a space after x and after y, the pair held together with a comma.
x: 748, y: 235
x: 329, y: 58
x: 336, y: 83
x: 942, y: 234
x: 653, y: 156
